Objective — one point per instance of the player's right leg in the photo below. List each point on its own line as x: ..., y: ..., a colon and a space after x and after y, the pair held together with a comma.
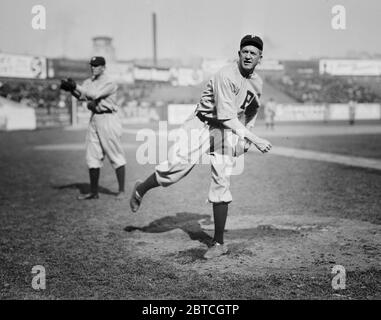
x: 140, y: 188
x: 109, y: 133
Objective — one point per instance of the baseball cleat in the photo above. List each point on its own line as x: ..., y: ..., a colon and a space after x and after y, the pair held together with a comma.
x: 135, y: 199
x: 216, y: 250
x: 88, y: 196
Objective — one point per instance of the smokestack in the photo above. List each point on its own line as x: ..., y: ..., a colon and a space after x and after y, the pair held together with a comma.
x: 154, y: 39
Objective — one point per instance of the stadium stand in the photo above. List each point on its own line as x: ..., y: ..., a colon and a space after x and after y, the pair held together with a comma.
x: 325, y: 89
x: 34, y: 93
x: 299, y: 82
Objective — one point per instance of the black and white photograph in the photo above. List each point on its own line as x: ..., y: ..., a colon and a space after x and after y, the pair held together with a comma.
x: 190, y: 150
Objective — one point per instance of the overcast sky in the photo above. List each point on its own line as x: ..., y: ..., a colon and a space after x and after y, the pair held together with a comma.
x: 292, y: 29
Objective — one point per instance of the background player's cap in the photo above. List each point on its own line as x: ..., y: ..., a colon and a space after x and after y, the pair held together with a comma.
x: 252, y: 40
x: 97, y: 61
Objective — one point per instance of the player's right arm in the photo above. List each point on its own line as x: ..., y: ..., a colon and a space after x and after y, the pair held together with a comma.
x: 239, y: 129
x: 97, y: 94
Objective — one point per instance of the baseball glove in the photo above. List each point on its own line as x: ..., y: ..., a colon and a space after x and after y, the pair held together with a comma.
x: 68, y: 85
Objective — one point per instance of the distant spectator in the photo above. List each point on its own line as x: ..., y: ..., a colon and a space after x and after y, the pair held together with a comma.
x: 270, y: 112
x: 31, y: 92
x: 326, y: 112
x: 352, y: 111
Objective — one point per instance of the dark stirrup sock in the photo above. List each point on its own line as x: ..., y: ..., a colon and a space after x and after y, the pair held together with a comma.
x: 149, y: 183
x: 94, y: 178
x: 120, y: 174
x: 220, y: 213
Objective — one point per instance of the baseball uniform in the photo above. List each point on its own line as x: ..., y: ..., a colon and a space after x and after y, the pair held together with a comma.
x: 105, y: 128
x: 227, y: 95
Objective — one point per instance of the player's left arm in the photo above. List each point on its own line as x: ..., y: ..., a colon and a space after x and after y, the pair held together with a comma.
x: 78, y: 95
x: 108, y: 89
x: 71, y: 86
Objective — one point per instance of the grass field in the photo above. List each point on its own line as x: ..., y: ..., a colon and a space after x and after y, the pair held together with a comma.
x: 290, y: 222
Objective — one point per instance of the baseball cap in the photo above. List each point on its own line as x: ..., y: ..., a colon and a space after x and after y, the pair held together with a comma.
x: 252, y: 40
x: 97, y: 61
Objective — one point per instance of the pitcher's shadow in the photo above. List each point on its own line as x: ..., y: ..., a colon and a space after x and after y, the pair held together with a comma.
x: 189, y: 223
x: 186, y: 221
x: 83, y: 188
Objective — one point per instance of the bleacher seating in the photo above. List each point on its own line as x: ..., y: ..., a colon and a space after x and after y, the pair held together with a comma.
x: 326, y: 89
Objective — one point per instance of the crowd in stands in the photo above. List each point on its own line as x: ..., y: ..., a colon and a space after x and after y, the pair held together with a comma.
x: 317, y: 89
x: 46, y: 94
x: 145, y: 92
x: 36, y: 94
x: 326, y: 89
x: 133, y: 92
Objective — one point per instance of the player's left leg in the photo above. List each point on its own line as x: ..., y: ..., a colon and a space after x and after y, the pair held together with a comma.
x: 110, y: 132
x: 220, y: 196
x: 220, y: 213
x: 120, y: 176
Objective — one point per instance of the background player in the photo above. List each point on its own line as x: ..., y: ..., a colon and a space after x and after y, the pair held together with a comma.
x: 270, y: 112
x: 228, y: 104
x: 352, y: 110
x: 105, y: 129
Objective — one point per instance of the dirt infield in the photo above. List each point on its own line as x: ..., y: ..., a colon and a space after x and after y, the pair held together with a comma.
x: 259, y: 245
x: 291, y: 221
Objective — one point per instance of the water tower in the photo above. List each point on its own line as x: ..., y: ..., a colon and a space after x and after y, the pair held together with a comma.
x: 102, y: 46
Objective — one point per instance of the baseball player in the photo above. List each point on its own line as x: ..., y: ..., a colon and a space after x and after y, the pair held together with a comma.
x: 352, y: 111
x: 105, y: 129
x: 270, y: 111
x: 229, y: 104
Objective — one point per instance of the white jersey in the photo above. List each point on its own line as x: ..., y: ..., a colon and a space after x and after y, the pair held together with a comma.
x: 101, y: 88
x: 230, y: 95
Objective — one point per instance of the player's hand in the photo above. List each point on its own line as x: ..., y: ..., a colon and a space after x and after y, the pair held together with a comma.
x: 93, y: 106
x: 241, y: 147
x: 247, y: 146
x: 65, y: 85
x: 263, y: 145
x: 72, y: 83
x: 68, y: 85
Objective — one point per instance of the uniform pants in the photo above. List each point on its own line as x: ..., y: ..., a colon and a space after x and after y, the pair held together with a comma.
x: 104, y: 139
x: 199, y: 142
